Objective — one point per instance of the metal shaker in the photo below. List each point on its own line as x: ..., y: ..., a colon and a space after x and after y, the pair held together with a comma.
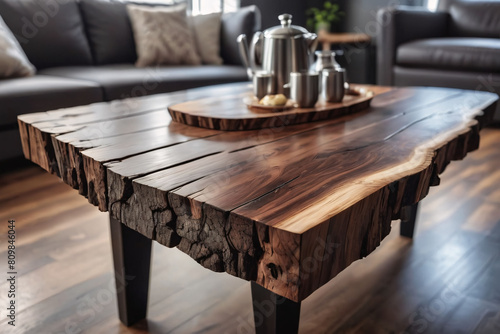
x: 333, y: 84
x: 262, y: 84
x: 304, y: 88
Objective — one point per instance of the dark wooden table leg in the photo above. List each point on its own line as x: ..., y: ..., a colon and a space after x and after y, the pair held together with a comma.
x: 408, y: 219
x: 132, y: 258
x: 273, y: 313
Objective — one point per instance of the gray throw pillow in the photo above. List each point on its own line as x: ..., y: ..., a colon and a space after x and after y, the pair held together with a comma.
x: 13, y: 60
x: 206, y: 32
x: 162, y: 36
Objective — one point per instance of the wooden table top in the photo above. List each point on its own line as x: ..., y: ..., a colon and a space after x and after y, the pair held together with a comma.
x: 289, y: 207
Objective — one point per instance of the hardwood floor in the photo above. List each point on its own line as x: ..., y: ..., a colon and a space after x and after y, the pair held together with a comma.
x: 444, y: 281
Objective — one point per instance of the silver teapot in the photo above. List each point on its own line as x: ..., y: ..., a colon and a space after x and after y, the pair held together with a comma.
x: 279, y: 51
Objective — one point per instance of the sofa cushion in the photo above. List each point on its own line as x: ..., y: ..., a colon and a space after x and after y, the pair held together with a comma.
x: 162, y: 36
x: 475, y: 19
x: 42, y: 93
x: 409, y: 76
x: 109, y: 31
x: 123, y: 81
x: 13, y: 60
x: 51, y: 32
x: 246, y: 20
x: 206, y: 34
x: 459, y: 53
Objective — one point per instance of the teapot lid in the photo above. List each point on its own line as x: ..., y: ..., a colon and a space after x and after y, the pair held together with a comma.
x: 286, y: 30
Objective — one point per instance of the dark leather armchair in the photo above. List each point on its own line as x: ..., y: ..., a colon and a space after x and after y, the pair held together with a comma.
x: 457, y: 46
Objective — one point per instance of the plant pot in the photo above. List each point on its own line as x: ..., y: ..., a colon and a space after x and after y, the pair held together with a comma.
x: 322, y: 26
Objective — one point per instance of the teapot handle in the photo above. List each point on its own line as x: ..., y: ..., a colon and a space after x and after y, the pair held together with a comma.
x: 243, y: 48
x: 256, y: 49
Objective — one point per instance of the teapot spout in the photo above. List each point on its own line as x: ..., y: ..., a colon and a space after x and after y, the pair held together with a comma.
x: 245, y: 54
x: 312, y: 41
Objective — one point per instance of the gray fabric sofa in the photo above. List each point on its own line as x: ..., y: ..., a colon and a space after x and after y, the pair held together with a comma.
x: 84, y: 52
x: 457, y: 46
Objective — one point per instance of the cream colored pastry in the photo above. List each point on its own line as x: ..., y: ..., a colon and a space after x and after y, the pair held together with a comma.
x: 273, y: 100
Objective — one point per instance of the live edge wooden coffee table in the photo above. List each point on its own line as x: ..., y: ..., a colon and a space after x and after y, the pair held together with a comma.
x: 287, y: 207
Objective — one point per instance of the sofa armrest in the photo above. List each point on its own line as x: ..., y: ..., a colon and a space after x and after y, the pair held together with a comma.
x: 401, y: 24
x: 246, y: 20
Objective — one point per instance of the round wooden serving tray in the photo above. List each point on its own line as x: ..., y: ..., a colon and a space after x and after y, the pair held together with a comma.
x: 231, y: 113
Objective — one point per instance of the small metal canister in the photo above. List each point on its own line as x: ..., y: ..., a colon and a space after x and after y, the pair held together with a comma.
x: 333, y: 84
x: 304, y: 88
x: 262, y: 84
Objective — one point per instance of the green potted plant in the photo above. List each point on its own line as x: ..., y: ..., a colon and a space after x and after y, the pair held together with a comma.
x: 321, y: 19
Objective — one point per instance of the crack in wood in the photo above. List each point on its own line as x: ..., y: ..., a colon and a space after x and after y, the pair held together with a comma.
x: 114, y: 161
x: 265, y: 194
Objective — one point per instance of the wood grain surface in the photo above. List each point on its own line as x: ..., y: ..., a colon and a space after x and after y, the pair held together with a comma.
x: 231, y: 113
x: 289, y: 207
x: 445, y: 280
